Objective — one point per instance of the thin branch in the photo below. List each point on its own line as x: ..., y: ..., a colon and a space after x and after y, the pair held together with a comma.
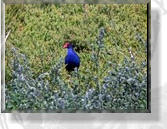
x: 7, y: 35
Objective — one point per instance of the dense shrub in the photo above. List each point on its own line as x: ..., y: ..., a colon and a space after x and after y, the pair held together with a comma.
x: 39, y: 31
x: 123, y: 88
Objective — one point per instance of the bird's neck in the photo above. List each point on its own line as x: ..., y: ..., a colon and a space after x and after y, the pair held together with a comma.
x: 70, y: 50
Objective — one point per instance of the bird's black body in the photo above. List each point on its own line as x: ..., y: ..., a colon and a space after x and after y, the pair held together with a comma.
x: 72, y: 60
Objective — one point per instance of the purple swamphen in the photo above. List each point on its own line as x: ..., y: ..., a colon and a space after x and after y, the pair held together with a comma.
x: 72, y: 60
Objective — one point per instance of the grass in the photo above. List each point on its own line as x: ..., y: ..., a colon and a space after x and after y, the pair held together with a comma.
x: 103, y: 35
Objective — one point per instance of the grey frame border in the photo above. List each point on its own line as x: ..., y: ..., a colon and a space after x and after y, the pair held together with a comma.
x: 2, y: 56
x: 3, y: 40
x: 77, y: 1
x: 149, y: 57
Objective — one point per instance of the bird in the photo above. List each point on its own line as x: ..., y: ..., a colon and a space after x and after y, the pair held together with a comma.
x: 72, y: 60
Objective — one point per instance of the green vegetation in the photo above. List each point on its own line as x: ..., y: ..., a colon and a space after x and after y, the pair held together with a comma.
x: 103, y: 36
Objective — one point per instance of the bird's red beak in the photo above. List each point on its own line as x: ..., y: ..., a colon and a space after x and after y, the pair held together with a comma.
x: 66, y: 45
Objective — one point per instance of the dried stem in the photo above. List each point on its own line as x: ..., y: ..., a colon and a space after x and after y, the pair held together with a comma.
x: 7, y: 35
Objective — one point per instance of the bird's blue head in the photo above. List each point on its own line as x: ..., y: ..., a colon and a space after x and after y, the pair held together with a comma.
x: 67, y: 45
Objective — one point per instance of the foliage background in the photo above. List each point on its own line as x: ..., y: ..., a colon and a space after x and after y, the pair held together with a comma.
x: 39, y: 32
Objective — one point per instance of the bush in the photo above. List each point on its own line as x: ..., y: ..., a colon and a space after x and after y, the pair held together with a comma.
x: 39, y: 31
x: 122, y: 88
